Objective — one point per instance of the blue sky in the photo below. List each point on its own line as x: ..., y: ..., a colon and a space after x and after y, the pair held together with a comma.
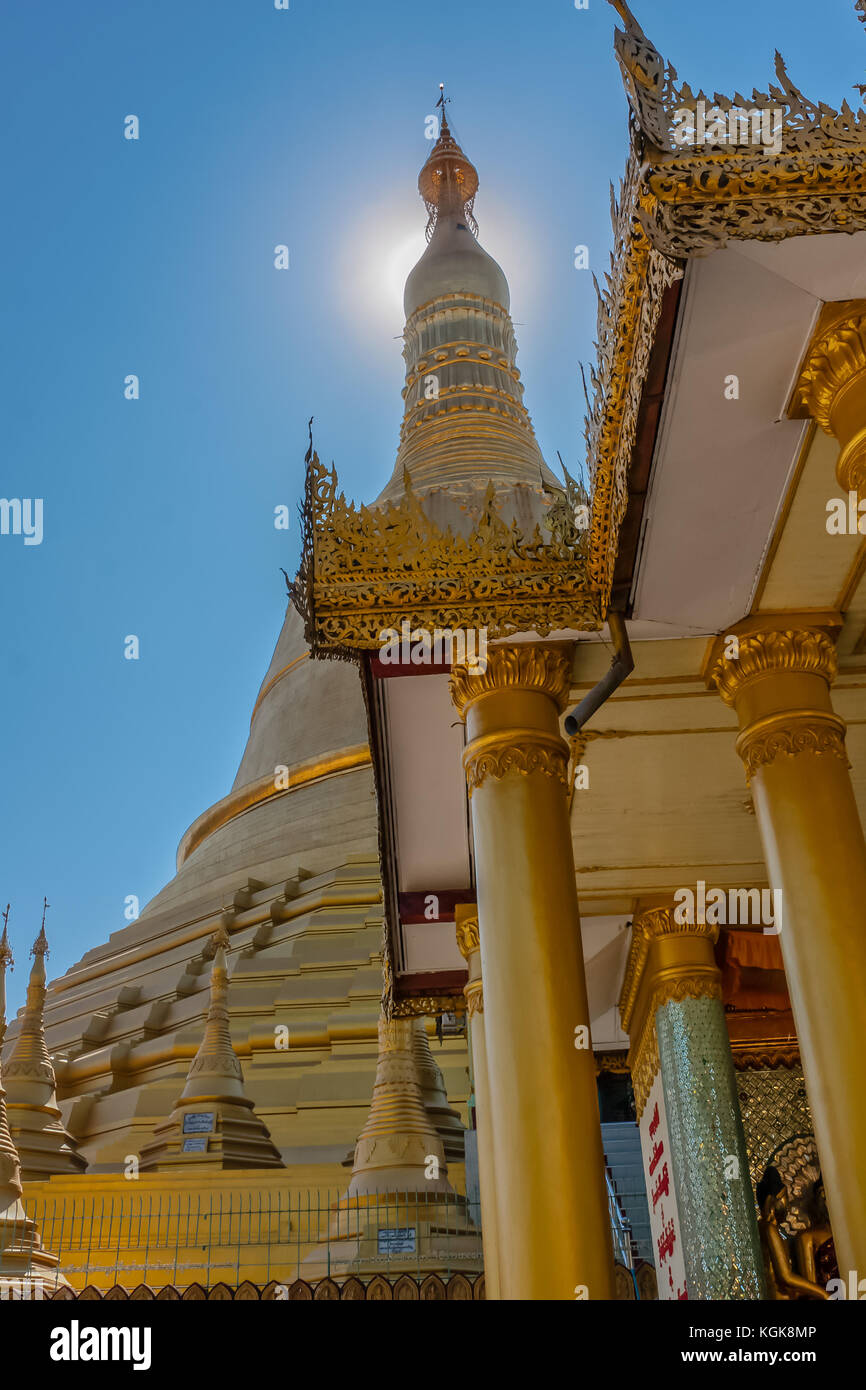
x: 155, y: 257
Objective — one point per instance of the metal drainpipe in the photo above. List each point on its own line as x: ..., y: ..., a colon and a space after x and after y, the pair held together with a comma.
x: 621, y: 666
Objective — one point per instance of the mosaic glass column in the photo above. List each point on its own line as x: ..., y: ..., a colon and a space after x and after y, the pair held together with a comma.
x: 671, y: 1007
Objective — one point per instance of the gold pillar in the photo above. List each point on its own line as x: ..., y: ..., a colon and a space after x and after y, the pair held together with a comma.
x: 793, y: 748
x: 832, y: 386
x: 553, y: 1227
x: 469, y: 942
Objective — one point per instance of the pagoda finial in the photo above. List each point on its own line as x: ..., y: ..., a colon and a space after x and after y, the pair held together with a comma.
x: 40, y: 945
x: 449, y: 181
x: 30, y: 1057
x: 443, y: 124
x: 6, y: 958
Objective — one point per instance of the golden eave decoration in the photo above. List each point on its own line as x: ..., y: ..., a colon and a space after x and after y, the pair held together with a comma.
x: 677, y: 202
x: 811, y: 179
x: 367, y: 569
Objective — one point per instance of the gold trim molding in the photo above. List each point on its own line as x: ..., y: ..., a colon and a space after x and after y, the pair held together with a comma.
x: 758, y: 1056
x: 515, y: 750
x: 254, y: 794
x: 266, y: 690
x: 810, y: 731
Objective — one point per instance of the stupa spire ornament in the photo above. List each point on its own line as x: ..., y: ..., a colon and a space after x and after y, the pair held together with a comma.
x: 399, y: 1140
x: 434, y: 1096
x: 25, y: 1267
x: 448, y: 181
x: 6, y: 959
x: 44, y: 1145
x: 399, y: 1179
x: 30, y: 1057
x: 464, y: 421
x: 213, y: 1121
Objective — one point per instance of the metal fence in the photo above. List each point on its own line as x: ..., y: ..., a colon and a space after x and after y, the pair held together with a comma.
x: 230, y: 1237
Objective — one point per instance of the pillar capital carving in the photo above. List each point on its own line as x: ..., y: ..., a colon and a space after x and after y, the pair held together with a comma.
x: 669, y: 960
x: 466, y: 926
x: 801, y: 651
x: 511, y: 730
x: 831, y: 387
x: 657, y: 924
x: 835, y: 357
x: 783, y: 722
x: 546, y: 670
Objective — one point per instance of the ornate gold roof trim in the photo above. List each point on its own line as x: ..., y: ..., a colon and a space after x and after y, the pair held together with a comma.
x: 254, y: 793
x: 702, y: 193
x: 675, y: 203
x: 365, y: 569
x: 629, y: 308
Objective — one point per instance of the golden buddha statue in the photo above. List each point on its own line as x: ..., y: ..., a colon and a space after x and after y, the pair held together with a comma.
x: 794, y: 1226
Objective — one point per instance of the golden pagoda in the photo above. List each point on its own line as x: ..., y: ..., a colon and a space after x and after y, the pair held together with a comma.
x: 43, y: 1144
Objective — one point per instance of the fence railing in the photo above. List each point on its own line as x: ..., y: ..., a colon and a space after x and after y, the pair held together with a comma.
x: 175, y: 1241
x: 184, y: 1238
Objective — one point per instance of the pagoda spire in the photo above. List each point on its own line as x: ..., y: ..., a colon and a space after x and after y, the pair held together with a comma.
x: 23, y: 1261
x: 464, y: 421
x: 30, y: 1054
x: 6, y: 959
x: 213, y: 1121
x: 35, y: 1120
x: 434, y: 1096
x: 398, y: 1146
x: 399, y: 1181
